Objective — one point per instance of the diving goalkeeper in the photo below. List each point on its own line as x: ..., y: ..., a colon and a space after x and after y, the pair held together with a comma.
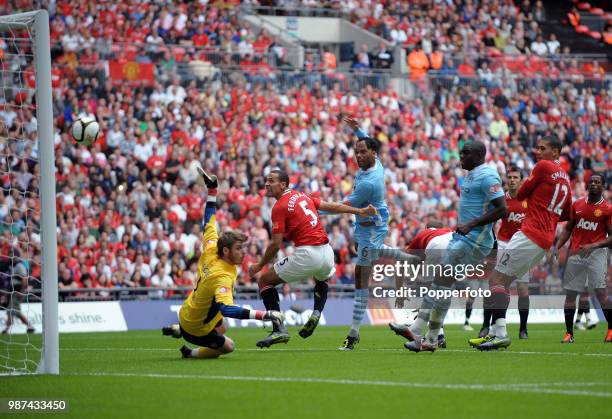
x: 201, y: 316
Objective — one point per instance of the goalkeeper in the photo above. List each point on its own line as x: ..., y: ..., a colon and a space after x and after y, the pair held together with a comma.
x: 201, y: 316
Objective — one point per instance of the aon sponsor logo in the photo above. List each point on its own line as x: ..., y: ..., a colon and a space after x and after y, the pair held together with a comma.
x: 516, y: 217
x: 587, y: 225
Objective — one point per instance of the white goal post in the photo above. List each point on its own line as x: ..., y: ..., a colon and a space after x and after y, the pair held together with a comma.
x: 36, y: 25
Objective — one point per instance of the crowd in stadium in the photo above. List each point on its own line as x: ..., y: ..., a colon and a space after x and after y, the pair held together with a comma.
x: 129, y: 207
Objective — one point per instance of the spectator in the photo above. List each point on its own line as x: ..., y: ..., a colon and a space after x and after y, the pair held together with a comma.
x: 383, y: 57
x: 539, y: 47
x: 418, y: 63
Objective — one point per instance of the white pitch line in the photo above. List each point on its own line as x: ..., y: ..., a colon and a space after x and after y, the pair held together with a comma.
x: 530, y: 388
x: 509, y: 351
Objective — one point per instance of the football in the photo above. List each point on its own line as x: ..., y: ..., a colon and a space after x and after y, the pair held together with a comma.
x: 85, y: 130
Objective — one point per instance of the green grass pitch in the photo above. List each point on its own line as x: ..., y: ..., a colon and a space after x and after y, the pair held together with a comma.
x: 141, y: 375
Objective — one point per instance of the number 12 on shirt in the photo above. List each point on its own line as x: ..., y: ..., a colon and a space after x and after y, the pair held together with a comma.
x: 558, y: 208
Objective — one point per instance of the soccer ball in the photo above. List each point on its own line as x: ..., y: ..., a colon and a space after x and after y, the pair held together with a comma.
x: 85, y: 130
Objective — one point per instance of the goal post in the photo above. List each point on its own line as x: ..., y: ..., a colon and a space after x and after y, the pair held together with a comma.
x: 49, y: 362
x: 36, y: 25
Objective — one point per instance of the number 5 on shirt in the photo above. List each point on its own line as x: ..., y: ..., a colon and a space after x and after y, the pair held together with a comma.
x: 309, y: 213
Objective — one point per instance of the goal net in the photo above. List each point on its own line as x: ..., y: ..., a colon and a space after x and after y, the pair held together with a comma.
x: 28, y: 249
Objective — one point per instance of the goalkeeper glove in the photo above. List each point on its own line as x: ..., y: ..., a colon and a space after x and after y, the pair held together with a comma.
x: 270, y: 315
x: 210, y: 181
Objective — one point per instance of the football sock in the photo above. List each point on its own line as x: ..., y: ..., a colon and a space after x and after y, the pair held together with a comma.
x: 176, y: 330
x: 271, y: 301
x: 487, y: 312
x: 423, y: 316
x: 435, y: 324
x: 500, y: 327
x: 421, y: 321
x: 438, y: 314
x: 523, y: 306
x: 569, y: 320
x: 499, y: 304
x: 608, y: 315
x: 360, y: 305
x: 320, y: 295
x: 468, y: 311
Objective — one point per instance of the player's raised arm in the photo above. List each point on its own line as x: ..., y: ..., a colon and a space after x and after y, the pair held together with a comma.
x: 354, y: 125
x: 211, y: 182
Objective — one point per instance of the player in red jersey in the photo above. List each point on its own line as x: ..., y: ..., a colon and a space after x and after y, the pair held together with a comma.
x: 429, y: 244
x: 295, y: 217
x: 590, y: 228
x: 510, y: 224
x: 549, y: 197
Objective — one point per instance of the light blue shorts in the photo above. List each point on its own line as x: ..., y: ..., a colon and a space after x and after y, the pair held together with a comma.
x: 369, y: 241
x: 463, y: 251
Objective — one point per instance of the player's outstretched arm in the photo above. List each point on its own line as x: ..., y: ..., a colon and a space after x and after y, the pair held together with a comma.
x: 238, y: 312
x: 224, y: 296
x: 269, y: 254
x: 338, y: 208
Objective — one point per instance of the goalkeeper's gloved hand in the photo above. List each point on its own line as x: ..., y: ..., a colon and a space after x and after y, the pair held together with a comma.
x: 210, y: 181
x: 274, y: 316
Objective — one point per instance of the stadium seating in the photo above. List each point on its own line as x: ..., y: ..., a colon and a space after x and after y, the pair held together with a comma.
x: 121, y: 203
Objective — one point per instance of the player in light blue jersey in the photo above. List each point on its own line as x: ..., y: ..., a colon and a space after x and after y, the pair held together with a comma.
x: 370, y: 232
x: 481, y: 203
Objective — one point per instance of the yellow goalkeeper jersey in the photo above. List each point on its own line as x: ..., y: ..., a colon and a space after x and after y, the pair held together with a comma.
x: 200, y: 312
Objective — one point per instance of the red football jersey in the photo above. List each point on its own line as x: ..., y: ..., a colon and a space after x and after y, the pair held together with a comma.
x: 511, y: 223
x: 591, y: 222
x: 295, y: 216
x: 423, y: 237
x: 549, y: 198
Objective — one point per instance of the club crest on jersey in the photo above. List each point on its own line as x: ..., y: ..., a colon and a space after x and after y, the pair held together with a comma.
x: 597, y: 213
x: 524, y: 203
x: 587, y: 225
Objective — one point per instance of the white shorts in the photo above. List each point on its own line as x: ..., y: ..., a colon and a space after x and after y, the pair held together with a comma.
x: 519, y: 256
x: 586, y: 273
x: 501, y: 246
x: 306, y: 262
x: 436, y: 247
